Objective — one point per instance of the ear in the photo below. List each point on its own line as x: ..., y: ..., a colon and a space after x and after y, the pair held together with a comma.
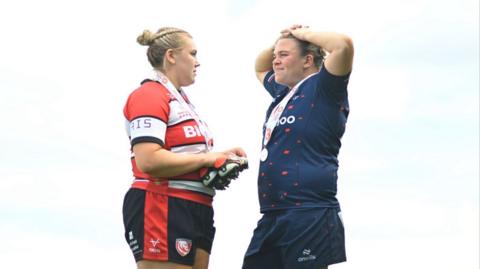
x: 308, y: 61
x: 170, y: 56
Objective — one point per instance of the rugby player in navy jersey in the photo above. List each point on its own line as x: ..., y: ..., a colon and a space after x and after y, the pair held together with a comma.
x: 307, y: 73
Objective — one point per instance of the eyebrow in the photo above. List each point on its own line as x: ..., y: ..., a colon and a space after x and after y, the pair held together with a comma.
x: 280, y: 51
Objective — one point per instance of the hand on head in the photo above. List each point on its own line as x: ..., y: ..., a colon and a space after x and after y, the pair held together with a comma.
x: 297, y: 30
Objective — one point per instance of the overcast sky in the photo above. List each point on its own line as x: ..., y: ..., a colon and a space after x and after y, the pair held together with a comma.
x: 409, y: 176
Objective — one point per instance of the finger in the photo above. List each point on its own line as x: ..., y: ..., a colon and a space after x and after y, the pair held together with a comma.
x: 285, y: 33
x: 239, y: 152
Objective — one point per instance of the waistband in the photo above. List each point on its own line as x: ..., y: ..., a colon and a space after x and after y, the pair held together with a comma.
x: 189, y: 190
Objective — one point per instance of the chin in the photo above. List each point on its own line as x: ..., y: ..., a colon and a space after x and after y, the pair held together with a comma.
x: 188, y: 81
x: 279, y: 80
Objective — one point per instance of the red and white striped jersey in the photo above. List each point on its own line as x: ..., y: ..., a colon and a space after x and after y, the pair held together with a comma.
x: 154, y: 115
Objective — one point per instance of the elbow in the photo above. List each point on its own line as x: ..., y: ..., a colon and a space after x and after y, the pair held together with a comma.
x: 154, y: 168
x: 148, y: 158
x: 344, y: 52
x: 263, y: 67
x: 145, y: 166
x: 346, y: 46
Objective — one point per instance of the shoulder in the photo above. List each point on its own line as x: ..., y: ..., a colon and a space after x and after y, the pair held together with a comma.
x: 149, y: 89
x: 151, y: 98
x: 326, y: 74
x: 333, y: 82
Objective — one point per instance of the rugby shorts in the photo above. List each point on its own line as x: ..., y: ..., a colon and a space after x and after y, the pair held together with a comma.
x: 163, y: 228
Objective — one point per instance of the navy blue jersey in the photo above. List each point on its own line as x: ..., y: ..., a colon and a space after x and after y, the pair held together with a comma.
x: 301, y: 168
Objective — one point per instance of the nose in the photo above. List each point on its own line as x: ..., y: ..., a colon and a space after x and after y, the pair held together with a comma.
x: 276, y: 61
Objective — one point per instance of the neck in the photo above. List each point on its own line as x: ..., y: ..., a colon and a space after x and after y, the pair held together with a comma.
x: 172, y: 77
x: 307, y: 73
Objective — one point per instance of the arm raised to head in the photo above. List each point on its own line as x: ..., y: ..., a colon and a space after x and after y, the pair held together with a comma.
x: 339, y: 47
x: 263, y: 63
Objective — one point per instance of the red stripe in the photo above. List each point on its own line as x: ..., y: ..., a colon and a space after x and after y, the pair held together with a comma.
x: 182, y: 134
x: 190, y: 176
x: 161, y: 187
x: 191, y: 196
x: 136, y: 172
x: 155, y: 244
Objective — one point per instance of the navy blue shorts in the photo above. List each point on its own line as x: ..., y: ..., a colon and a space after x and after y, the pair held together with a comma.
x: 296, y: 239
x: 163, y: 228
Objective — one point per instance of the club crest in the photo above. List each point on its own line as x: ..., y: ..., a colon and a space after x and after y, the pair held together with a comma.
x: 183, y: 246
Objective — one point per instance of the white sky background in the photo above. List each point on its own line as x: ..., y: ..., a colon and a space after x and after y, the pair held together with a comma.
x: 409, y: 176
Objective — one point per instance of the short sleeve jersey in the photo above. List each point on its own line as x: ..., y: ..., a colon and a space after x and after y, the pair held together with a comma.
x: 301, y: 168
x: 154, y: 115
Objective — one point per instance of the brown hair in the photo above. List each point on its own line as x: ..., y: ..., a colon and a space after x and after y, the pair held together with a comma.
x: 158, y: 43
x: 308, y: 48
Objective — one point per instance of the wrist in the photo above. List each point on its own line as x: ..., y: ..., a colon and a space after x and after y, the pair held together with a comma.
x: 205, y: 160
x: 306, y: 35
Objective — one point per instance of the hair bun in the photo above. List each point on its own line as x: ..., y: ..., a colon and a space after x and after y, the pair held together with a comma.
x: 146, y: 38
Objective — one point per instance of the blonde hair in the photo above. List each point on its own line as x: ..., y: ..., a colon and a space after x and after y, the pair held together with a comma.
x: 158, y: 43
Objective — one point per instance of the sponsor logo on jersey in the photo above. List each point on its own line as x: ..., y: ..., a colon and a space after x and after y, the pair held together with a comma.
x: 154, y: 248
x: 183, y: 114
x: 130, y: 235
x: 191, y: 131
x: 133, y: 243
x: 183, y: 246
x: 306, y: 256
x: 286, y: 120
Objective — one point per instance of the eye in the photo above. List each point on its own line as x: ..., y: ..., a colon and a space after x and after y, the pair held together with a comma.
x: 280, y: 55
x: 193, y: 53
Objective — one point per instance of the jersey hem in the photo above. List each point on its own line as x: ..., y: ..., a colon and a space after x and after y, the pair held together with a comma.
x: 274, y: 209
x: 161, y: 187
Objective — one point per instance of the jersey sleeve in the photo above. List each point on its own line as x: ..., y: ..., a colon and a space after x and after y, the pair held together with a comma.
x: 334, y: 86
x: 272, y: 87
x: 146, y: 113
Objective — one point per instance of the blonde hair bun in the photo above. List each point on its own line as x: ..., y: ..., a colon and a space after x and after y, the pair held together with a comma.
x: 146, y: 38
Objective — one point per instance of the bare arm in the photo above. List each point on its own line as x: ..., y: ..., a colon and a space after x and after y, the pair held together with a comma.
x: 154, y: 160
x: 339, y: 46
x: 263, y: 63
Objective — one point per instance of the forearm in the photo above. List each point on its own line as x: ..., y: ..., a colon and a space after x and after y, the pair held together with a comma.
x: 174, y: 164
x: 163, y: 163
x: 339, y: 46
x: 264, y: 60
x: 329, y: 41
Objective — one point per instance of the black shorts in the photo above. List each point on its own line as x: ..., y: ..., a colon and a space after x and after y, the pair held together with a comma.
x: 300, y: 238
x: 162, y: 228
